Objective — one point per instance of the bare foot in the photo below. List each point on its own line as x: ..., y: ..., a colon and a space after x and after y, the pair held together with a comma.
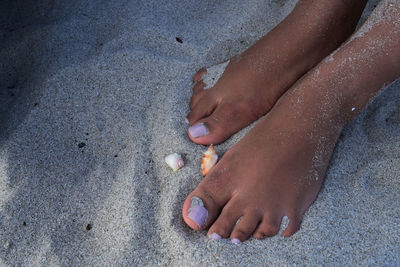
x: 253, y: 81
x: 277, y: 169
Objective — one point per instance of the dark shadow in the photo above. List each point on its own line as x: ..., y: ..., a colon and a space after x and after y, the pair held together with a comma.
x: 58, y: 145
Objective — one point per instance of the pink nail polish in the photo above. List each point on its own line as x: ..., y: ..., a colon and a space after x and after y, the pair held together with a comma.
x: 198, y: 130
x: 197, y: 212
x: 215, y: 236
x: 235, y: 241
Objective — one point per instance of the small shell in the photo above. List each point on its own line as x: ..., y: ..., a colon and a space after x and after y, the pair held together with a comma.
x: 208, y: 160
x: 175, y: 161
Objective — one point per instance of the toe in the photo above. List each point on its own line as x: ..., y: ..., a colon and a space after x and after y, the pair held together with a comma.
x: 293, y: 227
x: 225, y: 120
x: 204, y: 204
x: 226, y: 221
x: 199, y: 210
x: 203, y: 108
x: 199, y: 74
x: 198, y: 87
x: 198, y: 93
x: 246, y: 226
x: 268, y: 227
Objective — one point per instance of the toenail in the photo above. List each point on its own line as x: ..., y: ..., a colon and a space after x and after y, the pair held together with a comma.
x: 215, y: 236
x: 186, y: 120
x: 235, y: 241
x: 198, y: 130
x: 197, y: 212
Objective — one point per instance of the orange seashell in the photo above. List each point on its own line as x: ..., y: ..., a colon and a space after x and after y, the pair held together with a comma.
x: 208, y: 160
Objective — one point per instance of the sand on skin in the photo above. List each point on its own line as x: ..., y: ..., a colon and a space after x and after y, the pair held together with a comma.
x: 94, y: 96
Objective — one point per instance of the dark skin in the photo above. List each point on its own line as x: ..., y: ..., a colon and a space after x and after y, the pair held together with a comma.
x: 277, y: 169
x: 249, y: 86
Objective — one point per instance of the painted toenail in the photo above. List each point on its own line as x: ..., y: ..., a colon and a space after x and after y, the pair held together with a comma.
x: 198, y: 130
x: 186, y: 120
x: 197, y: 212
x: 215, y: 236
x: 235, y: 241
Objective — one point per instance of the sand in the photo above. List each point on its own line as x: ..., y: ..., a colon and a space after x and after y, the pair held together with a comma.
x: 93, y: 96
x: 213, y: 74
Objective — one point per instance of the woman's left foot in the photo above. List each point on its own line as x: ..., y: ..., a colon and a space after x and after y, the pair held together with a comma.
x: 253, y: 81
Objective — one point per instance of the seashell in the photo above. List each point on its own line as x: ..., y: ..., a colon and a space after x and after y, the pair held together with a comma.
x: 175, y: 161
x: 208, y: 160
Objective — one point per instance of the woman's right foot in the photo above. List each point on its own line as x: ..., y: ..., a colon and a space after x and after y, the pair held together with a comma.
x: 253, y: 81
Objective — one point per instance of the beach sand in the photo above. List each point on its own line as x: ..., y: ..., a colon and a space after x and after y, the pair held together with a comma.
x: 94, y: 95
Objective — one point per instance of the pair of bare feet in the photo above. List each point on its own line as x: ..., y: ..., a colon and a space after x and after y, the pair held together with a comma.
x: 303, y: 103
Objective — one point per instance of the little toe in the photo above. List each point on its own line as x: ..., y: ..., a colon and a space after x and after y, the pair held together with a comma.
x: 293, y: 227
x: 198, y: 87
x: 268, y: 227
x: 199, y: 74
x: 246, y: 226
x: 198, y: 94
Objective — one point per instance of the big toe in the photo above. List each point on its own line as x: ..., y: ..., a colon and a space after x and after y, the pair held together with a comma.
x: 200, y: 210
x: 223, y: 122
x: 204, y: 204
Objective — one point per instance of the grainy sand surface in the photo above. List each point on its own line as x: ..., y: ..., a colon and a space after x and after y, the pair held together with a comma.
x: 93, y: 96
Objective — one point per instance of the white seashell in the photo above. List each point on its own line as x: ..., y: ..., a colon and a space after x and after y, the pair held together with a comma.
x: 208, y: 160
x: 175, y: 161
